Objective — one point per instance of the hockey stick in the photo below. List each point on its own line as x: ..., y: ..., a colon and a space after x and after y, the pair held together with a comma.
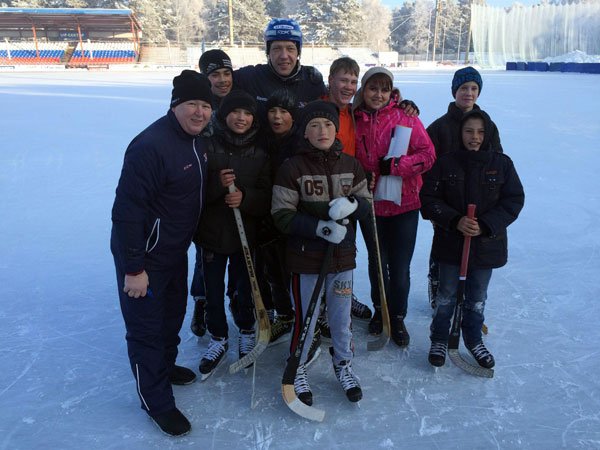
x: 264, y: 326
x: 289, y: 374
x: 454, y: 339
x: 383, y: 338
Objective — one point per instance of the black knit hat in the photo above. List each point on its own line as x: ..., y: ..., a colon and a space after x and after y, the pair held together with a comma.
x: 212, y: 60
x: 465, y: 75
x: 319, y: 108
x: 284, y: 99
x: 236, y: 99
x: 190, y: 85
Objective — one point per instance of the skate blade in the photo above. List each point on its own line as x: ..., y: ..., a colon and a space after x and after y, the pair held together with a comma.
x: 204, y: 376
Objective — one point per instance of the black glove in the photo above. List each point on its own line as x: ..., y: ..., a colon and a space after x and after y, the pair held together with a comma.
x: 385, y: 166
x: 405, y: 103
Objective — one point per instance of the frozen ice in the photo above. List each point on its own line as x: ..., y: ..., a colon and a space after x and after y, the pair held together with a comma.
x: 65, y: 381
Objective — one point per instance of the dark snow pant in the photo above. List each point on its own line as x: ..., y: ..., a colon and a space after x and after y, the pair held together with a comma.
x: 368, y: 232
x: 271, y: 268
x: 476, y: 286
x: 153, y: 323
x: 397, y: 236
x: 242, y: 307
x: 197, y: 288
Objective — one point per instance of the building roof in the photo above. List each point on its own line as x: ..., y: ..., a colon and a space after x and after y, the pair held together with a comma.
x: 88, y: 18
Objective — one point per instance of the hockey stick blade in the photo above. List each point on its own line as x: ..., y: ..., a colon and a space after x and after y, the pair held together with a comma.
x: 302, y: 409
x: 289, y: 374
x: 264, y: 336
x: 378, y: 343
x: 248, y: 359
x: 478, y: 371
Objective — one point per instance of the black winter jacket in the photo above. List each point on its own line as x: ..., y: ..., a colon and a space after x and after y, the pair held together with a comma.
x: 279, y: 149
x: 445, y: 131
x: 217, y: 230
x: 489, y: 180
x: 260, y: 81
x: 159, y: 197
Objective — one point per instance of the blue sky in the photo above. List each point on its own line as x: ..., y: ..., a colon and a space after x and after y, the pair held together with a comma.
x: 395, y: 3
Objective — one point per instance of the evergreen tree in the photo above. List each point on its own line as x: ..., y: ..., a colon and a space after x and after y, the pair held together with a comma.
x: 347, y: 22
x: 76, y: 4
x: 149, y: 14
x: 249, y: 20
x: 411, y: 27
x: 331, y: 22
x: 182, y: 20
x: 315, y: 18
x: 275, y: 8
x: 217, y: 22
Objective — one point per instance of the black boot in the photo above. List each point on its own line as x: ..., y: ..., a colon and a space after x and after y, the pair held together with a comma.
x: 172, y: 422
x: 182, y: 376
x: 376, y: 323
x: 399, y: 332
x: 198, y: 325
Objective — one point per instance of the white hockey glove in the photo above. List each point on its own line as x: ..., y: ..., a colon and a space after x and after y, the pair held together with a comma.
x: 342, y: 207
x: 332, y: 231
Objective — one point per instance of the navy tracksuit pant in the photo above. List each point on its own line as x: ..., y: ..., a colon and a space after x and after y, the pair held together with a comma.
x: 153, y: 324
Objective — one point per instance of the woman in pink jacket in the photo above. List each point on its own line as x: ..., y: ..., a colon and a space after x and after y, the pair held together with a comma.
x: 376, y: 115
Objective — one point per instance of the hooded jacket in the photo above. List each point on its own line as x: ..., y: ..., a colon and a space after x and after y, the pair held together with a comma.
x: 303, y: 188
x: 159, y: 197
x: 444, y: 131
x: 373, y: 137
x: 486, y: 178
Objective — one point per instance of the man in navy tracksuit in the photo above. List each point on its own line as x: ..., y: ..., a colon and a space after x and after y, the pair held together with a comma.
x: 156, y: 210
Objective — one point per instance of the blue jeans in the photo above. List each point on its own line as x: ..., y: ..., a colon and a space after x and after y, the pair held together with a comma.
x: 368, y: 232
x: 397, y: 236
x: 242, y: 307
x: 198, y: 289
x: 476, y: 286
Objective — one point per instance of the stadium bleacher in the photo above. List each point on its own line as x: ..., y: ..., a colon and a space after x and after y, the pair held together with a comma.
x: 26, y: 52
x: 104, y: 53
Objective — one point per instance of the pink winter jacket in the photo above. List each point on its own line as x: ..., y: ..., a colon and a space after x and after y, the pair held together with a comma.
x: 373, y: 136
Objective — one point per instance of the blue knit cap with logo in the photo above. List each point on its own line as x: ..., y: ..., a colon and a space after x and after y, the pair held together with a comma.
x: 463, y: 76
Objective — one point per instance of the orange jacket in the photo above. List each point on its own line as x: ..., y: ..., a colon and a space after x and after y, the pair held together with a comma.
x: 346, y: 133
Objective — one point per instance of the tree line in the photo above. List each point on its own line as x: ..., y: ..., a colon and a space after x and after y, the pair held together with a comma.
x: 409, y: 29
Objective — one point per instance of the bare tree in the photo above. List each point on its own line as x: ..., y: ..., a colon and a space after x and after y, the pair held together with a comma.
x: 376, y: 24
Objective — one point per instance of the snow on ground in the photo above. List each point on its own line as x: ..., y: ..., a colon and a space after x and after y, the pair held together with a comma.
x: 65, y: 381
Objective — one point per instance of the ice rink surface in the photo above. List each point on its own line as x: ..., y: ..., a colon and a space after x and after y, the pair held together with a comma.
x: 65, y: 381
